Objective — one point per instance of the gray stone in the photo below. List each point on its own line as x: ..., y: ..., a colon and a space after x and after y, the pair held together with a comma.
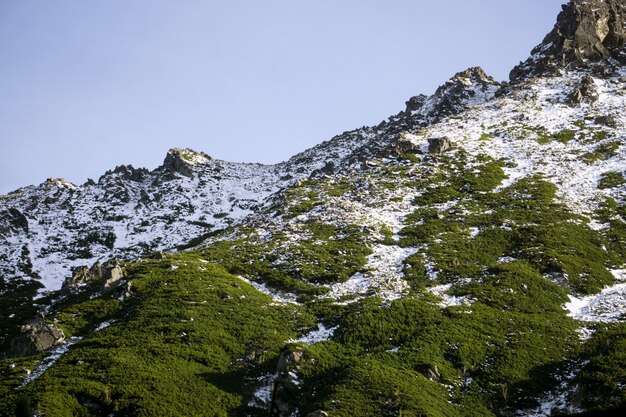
x: 607, y: 120
x: 439, y: 145
x: 112, y: 275
x: 405, y: 144
x: 586, y: 92
x: 35, y: 337
x: 586, y: 32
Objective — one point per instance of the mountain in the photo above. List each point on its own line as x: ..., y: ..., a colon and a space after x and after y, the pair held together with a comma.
x: 465, y: 257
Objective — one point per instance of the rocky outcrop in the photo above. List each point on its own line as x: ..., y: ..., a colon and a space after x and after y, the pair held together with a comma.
x: 287, y: 384
x: 586, y: 92
x: 35, y: 337
x: 586, y: 32
x: 471, y: 86
x: 439, y: 145
x: 110, y: 275
x: 407, y: 143
x: 12, y: 220
x: 180, y: 161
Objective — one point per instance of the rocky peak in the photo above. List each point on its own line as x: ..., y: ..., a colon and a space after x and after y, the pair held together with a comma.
x: 471, y: 86
x: 181, y: 161
x: 586, y: 31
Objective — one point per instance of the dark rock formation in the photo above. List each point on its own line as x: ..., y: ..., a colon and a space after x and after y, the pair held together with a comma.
x: 608, y: 120
x: 406, y: 144
x: 286, y: 385
x: 110, y: 275
x: 454, y: 95
x: 586, y: 92
x: 35, y: 337
x: 13, y: 220
x: 180, y: 161
x: 586, y: 31
x: 415, y: 103
x: 439, y: 145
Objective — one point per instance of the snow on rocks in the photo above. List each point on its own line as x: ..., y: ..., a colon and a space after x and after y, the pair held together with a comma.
x: 318, y: 335
x: 46, y: 363
x: 383, y: 275
x: 607, y: 306
x: 446, y: 299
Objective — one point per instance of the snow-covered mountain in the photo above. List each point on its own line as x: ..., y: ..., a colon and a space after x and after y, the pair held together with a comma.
x: 466, y: 256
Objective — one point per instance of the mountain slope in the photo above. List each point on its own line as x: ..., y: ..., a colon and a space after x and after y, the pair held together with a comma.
x: 463, y: 258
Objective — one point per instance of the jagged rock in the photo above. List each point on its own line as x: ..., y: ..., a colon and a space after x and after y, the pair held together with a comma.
x: 470, y: 86
x: 181, y: 161
x: 415, y: 103
x: 607, y: 120
x: 35, y: 337
x: 286, y: 384
x: 112, y: 275
x: 586, y: 31
x: 439, y: 145
x: 407, y: 143
x: 13, y: 219
x: 80, y: 276
x: 586, y: 92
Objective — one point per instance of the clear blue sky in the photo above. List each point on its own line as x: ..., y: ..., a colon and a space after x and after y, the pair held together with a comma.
x: 88, y: 85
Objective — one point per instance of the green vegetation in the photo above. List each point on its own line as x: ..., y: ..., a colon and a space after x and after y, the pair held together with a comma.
x: 602, y: 152
x: 522, y: 221
x: 611, y: 179
x: 185, y: 344
x: 196, y: 340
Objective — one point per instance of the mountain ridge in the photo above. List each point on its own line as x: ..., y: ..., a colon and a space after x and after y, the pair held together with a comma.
x: 464, y: 257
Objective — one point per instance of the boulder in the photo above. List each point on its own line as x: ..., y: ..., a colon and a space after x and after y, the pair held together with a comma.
x: 35, y: 337
x: 407, y: 143
x: 586, y: 92
x: 439, y: 145
x: 112, y: 275
x: 80, y: 276
x: 607, y: 120
x: 181, y: 161
x: 286, y: 386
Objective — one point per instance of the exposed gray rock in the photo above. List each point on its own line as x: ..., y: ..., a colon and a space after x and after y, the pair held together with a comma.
x: 181, y: 161
x: 110, y: 275
x: 35, y: 337
x: 286, y: 385
x: 13, y: 220
x: 465, y: 87
x: 586, y: 92
x: 608, y: 120
x: 415, y: 103
x: 406, y: 144
x: 439, y: 145
x: 586, y: 31
x: 80, y: 276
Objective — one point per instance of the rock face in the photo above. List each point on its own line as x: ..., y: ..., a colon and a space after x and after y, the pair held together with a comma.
x: 286, y: 383
x: 466, y: 87
x: 181, y: 161
x: 439, y: 145
x: 586, y: 31
x: 36, y: 336
x: 110, y: 274
x: 586, y: 92
x: 407, y: 143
